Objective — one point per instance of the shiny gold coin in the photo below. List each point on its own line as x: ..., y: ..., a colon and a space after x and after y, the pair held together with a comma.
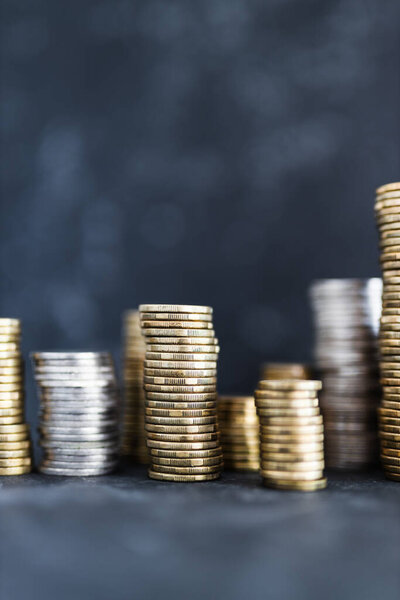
x: 390, y: 452
x: 24, y: 453
x: 181, y: 397
x: 10, y: 338
x: 181, y: 341
x: 10, y: 371
x: 15, y: 462
x: 180, y: 373
x: 181, y: 437
x: 390, y: 436
x: 301, y: 403
x: 181, y: 429
x: 15, y: 470
x: 284, y: 457
x: 11, y: 362
x: 288, y: 412
x: 292, y: 447
x: 6, y: 388
x: 388, y: 187
x: 186, y: 470
x: 183, y: 381
x: 16, y: 419
x: 185, y: 454
x: 183, y: 389
x: 185, y: 356
x: 183, y: 478
x: 387, y: 412
x: 392, y: 444
x: 10, y: 350
x: 175, y: 308
x: 10, y: 322
x: 299, y: 438
x: 183, y: 421
x: 390, y: 460
x: 12, y: 437
x: 10, y: 412
x: 154, y: 326
x: 21, y: 428
x: 14, y: 380
x: 392, y: 476
x: 181, y: 406
x: 297, y: 422
x: 297, y: 466
x: 18, y: 445
x: 177, y: 414
x: 160, y: 332
x: 286, y: 396
x: 187, y: 446
x: 290, y: 429
x: 175, y: 316
x: 387, y: 428
x: 290, y: 384
x: 292, y: 475
x: 216, y: 461
x: 300, y: 486
x: 177, y: 365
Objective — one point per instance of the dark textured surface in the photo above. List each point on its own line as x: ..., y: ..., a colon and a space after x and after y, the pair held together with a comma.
x: 124, y: 536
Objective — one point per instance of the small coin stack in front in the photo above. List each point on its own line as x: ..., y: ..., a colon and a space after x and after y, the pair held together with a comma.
x: 15, y: 444
x: 133, y: 436
x: 285, y: 371
x: 292, y: 434
x: 240, y: 436
x: 346, y: 315
x: 180, y: 382
x: 78, y: 412
x: 387, y: 210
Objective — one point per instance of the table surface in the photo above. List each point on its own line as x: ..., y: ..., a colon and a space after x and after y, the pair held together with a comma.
x: 126, y: 537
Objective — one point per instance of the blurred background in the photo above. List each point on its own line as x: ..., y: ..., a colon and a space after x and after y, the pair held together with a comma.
x: 222, y: 152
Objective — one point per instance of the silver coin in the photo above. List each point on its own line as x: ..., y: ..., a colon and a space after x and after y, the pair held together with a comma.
x: 50, y: 411
x: 85, y: 445
x: 84, y: 472
x: 73, y: 464
x: 76, y: 437
x: 81, y: 455
x: 78, y: 423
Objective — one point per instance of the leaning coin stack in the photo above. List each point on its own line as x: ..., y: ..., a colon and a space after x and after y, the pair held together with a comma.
x: 240, y: 436
x: 78, y: 412
x: 180, y: 379
x: 292, y: 434
x: 387, y: 210
x: 346, y: 315
x: 15, y: 445
x: 133, y: 435
x: 285, y: 371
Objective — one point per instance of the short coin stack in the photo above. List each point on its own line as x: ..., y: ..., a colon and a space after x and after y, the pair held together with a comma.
x: 292, y: 435
x: 133, y: 434
x: 387, y: 210
x: 285, y: 371
x: 15, y: 445
x: 78, y: 412
x: 180, y: 380
x: 240, y: 432
x: 346, y: 315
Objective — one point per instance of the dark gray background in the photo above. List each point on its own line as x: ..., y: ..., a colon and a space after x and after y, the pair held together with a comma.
x: 220, y: 152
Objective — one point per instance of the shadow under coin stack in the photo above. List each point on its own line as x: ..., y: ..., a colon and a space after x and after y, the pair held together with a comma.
x: 15, y: 444
x: 133, y: 435
x: 292, y: 435
x: 346, y: 316
x: 285, y: 371
x: 78, y: 412
x: 387, y: 210
x: 180, y: 381
x: 240, y: 432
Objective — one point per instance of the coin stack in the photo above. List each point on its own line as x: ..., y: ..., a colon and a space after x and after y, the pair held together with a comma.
x: 78, y: 412
x: 240, y: 436
x: 346, y: 315
x: 285, y: 371
x: 15, y: 444
x: 387, y: 210
x: 292, y: 434
x: 133, y: 435
x: 180, y: 379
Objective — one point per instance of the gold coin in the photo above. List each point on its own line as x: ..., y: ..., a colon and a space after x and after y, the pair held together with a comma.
x: 298, y: 421
x: 181, y: 397
x: 15, y: 462
x: 302, y: 403
x: 183, y: 478
x: 182, y: 389
x: 175, y: 316
x: 387, y: 428
x: 176, y: 414
x: 14, y: 362
x: 160, y: 332
x: 175, y: 308
x: 182, y: 341
x: 183, y: 429
x: 290, y: 384
x: 390, y: 452
x: 24, y: 453
x: 293, y: 475
x: 6, y: 388
x: 392, y: 476
x: 10, y: 371
x: 9, y: 350
x: 284, y: 457
x: 176, y: 381
x: 20, y: 428
x: 286, y: 396
x: 12, y: 437
x: 152, y: 420
x: 188, y: 462
x: 14, y: 380
x: 388, y: 187
x: 390, y: 460
x: 175, y: 325
x: 209, y: 353
x: 392, y: 444
x: 390, y: 436
x: 189, y: 446
x: 10, y: 322
x: 299, y: 438
x: 288, y: 412
x: 387, y: 412
x: 176, y: 365
x: 185, y: 454
x: 291, y: 429
x: 297, y: 466
x: 10, y: 338
x: 16, y: 419
x: 293, y: 447
x: 301, y: 486
x: 391, y: 468
x: 180, y: 373
x: 180, y: 406
x: 182, y: 437
x: 10, y: 412
x: 186, y: 470
x: 15, y: 470
x: 17, y: 445
x: 243, y: 466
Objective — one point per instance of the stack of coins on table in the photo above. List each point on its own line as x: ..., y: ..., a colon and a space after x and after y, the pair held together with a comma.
x: 78, y: 412
x: 292, y: 434
x: 133, y: 436
x: 15, y: 444
x: 240, y: 436
x: 285, y: 371
x: 180, y: 381
x: 346, y: 315
x: 387, y: 210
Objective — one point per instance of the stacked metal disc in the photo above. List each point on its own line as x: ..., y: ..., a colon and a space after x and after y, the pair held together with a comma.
x: 180, y: 381
x: 292, y: 434
x: 285, y: 371
x: 15, y: 444
x: 387, y: 210
x: 240, y: 436
x: 346, y: 315
x: 78, y: 412
x: 133, y: 434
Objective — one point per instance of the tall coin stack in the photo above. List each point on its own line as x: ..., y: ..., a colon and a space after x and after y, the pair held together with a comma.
x: 346, y: 315
x: 78, y: 412
x: 15, y: 444
x: 387, y: 210
x: 285, y: 371
x: 240, y: 436
x: 180, y: 381
x: 133, y: 434
x: 292, y: 434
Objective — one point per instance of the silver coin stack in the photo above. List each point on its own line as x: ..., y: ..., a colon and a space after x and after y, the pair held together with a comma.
x: 346, y: 315
x: 78, y: 412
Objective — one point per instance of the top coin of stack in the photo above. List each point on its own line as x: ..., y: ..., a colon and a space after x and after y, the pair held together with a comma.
x: 180, y: 379
x: 346, y: 314
x: 285, y: 371
x: 15, y: 445
x: 387, y: 211
x: 240, y: 436
x: 291, y: 430
x: 133, y: 435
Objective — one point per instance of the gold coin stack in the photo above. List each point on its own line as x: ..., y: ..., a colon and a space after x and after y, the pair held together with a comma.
x: 387, y: 210
x: 285, y: 371
x: 133, y: 442
x: 180, y: 379
x: 240, y: 432
x: 15, y: 444
x: 292, y: 434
